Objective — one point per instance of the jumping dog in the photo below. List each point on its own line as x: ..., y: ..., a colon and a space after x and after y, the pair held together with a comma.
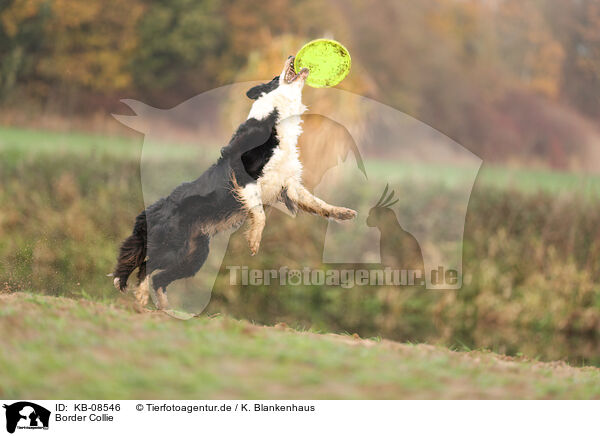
x: 260, y: 166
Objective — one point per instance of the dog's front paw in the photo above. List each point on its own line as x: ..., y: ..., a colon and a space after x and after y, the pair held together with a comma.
x: 343, y: 213
x: 254, y: 246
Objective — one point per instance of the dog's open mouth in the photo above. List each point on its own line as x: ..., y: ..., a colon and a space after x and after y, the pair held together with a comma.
x: 290, y: 74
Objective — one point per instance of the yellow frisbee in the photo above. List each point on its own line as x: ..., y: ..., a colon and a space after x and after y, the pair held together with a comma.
x: 328, y: 62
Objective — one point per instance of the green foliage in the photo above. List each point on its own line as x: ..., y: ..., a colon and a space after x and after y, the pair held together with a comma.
x: 22, y: 31
x: 514, y: 81
x: 86, y: 45
x: 187, y: 33
x: 158, y: 46
x: 98, y: 47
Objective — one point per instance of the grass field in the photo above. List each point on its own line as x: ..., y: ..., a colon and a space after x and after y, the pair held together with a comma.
x: 531, y: 256
x: 64, y: 348
x: 19, y: 143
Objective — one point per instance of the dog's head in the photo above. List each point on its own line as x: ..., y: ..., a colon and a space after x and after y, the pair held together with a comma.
x: 283, y: 93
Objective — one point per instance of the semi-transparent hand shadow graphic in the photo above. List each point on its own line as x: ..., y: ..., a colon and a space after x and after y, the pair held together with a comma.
x: 356, y: 153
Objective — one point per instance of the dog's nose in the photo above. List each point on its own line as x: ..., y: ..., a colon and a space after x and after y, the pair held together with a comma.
x: 290, y: 56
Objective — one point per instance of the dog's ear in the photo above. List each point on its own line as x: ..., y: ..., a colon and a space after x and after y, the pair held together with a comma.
x: 254, y: 93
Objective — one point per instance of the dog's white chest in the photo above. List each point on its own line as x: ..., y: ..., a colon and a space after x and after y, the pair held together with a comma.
x: 284, y: 166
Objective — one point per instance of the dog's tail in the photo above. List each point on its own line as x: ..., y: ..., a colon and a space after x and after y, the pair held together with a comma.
x: 132, y: 254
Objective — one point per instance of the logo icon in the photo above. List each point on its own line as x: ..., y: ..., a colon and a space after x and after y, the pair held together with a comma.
x: 26, y: 415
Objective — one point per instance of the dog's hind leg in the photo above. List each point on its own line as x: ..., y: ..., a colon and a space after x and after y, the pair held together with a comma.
x: 162, y: 302
x: 141, y: 294
x: 189, y: 264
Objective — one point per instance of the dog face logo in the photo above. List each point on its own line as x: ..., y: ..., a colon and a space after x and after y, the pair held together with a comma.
x: 26, y: 415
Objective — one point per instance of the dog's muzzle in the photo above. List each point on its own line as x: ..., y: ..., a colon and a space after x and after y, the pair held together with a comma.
x: 290, y: 74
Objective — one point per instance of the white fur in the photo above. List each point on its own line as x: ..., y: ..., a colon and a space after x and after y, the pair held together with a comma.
x: 251, y: 195
x: 287, y: 99
x: 284, y: 167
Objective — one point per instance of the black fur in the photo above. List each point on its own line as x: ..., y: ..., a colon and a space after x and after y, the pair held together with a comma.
x: 256, y: 92
x: 291, y: 206
x: 169, y: 236
x: 132, y: 253
x: 255, y: 160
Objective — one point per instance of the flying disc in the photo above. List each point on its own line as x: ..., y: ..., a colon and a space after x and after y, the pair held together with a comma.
x: 328, y: 62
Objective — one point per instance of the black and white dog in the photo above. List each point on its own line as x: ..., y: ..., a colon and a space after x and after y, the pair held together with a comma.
x: 259, y: 166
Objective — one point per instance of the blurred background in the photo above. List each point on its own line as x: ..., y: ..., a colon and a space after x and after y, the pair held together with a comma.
x: 515, y: 82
